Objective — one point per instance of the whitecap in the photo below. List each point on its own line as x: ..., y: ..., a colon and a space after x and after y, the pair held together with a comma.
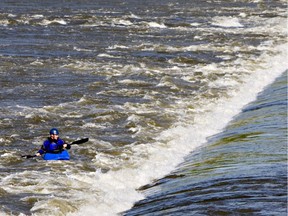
x: 48, y: 22
x: 227, y: 22
x: 156, y: 25
x: 37, y: 16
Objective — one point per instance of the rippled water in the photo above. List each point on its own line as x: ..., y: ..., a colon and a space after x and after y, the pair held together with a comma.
x: 147, y: 82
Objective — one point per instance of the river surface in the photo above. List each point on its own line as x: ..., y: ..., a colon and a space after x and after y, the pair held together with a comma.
x: 184, y: 104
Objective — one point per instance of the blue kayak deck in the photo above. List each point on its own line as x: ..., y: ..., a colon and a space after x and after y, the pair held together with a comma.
x: 64, y: 155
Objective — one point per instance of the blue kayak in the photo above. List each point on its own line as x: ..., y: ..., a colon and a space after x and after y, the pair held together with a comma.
x: 64, y: 155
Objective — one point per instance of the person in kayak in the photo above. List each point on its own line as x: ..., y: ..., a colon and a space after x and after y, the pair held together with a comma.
x: 53, y: 144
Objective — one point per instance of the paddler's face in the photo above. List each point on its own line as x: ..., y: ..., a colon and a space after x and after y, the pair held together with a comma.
x: 54, y: 136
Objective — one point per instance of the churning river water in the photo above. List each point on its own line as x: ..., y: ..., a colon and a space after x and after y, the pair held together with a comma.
x: 184, y: 104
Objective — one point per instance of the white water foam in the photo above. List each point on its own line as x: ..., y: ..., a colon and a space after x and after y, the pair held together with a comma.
x: 227, y: 22
x: 156, y: 25
x: 46, y: 22
x: 117, y: 190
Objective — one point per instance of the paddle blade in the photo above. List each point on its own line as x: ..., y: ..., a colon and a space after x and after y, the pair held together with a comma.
x: 80, y: 141
x: 28, y: 156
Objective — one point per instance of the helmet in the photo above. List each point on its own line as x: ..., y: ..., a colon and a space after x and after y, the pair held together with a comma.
x: 54, y: 131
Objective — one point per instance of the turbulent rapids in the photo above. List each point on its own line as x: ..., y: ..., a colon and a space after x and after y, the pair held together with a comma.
x: 147, y: 82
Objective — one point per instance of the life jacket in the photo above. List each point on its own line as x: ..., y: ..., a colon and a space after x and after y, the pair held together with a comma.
x: 53, y: 146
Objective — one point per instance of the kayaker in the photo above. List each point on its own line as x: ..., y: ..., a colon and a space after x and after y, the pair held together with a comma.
x: 53, y: 144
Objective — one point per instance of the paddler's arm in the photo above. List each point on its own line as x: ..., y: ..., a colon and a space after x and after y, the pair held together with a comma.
x: 41, y: 151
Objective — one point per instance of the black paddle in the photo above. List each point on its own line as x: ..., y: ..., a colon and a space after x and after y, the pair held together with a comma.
x: 28, y: 156
x: 77, y: 142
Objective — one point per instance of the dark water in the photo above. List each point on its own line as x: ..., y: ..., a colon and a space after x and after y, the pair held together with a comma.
x: 149, y: 82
